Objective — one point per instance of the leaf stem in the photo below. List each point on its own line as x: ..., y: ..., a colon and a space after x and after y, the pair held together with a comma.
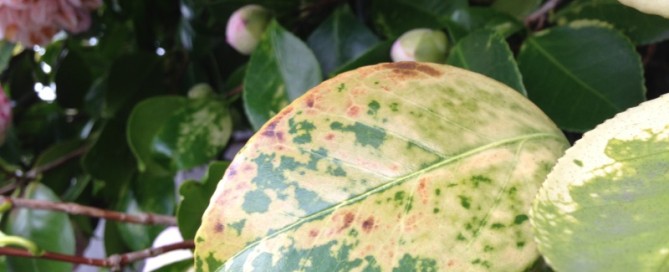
x: 115, y: 262
x: 73, y: 208
x: 7, y: 240
x: 538, y: 17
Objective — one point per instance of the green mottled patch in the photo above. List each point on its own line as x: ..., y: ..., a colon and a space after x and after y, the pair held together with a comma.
x: 519, y: 219
x: 364, y: 135
x: 394, y: 107
x: 437, y: 191
x: 238, y: 226
x: 301, y: 131
x: 372, y: 265
x: 483, y: 263
x: 579, y: 163
x: 461, y: 237
x: 341, y: 87
x: 479, y: 179
x: 256, y: 201
x: 497, y: 226
x: 435, y: 210
x: 410, y: 263
x: 309, y: 201
x: 373, y: 107
x: 465, y: 201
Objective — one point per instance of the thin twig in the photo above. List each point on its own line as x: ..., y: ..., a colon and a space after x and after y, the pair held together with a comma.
x: 539, y: 16
x: 115, y: 261
x: 33, y: 173
x: 72, y: 208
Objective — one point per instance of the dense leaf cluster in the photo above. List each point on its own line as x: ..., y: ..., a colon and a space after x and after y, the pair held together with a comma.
x: 128, y: 94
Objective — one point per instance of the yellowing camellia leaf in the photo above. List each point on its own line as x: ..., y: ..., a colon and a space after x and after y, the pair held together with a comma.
x: 392, y: 167
x: 657, y: 7
x: 604, y: 206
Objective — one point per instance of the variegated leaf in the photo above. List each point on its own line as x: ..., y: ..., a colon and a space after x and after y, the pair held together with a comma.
x: 604, y: 205
x: 409, y: 166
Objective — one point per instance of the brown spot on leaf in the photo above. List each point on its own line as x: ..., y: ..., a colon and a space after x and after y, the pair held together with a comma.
x: 313, y: 233
x: 402, y: 65
x: 348, y: 219
x: 353, y: 111
x: 451, y: 263
x: 269, y: 129
x: 368, y: 224
x: 310, y: 101
x: 429, y: 70
x: 219, y: 228
x: 232, y: 171
x: 329, y: 136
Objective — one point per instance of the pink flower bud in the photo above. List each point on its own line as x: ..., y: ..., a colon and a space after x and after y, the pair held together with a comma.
x: 420, y: 45
x: 245, y: 27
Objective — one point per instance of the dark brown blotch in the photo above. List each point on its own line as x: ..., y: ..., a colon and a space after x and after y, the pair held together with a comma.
x: 348, y: 220
x: 218, y: 228
x: 368, y: 224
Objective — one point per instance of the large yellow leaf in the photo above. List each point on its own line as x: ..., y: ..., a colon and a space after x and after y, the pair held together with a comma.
x: 657, y: 7
x: 408, y: 166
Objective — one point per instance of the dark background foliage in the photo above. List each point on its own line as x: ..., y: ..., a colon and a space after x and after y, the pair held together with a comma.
x: 126, y: 125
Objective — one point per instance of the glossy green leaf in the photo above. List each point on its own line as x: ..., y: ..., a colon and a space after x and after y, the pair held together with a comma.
x: 604, y: 205
x: 399, y: 166
x: 488, y: 53
x: 67, y: 175
x: 493, y: 20
x: 339, y: 39
x: 51, y: 231
x: 640, y: 27
x: 195, y: 198
x: 281, y: 69
x: 586, y: 65
x: 193, y: 134
x: 377, y: 54
x: 144, y: 123
x: 148, y: 194
x: 110, y: 160
x: 394, y: 17
x: 516, y: 8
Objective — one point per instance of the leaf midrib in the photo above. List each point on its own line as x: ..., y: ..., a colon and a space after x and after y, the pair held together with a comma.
x: 396, y: 181
x: 571, y: 75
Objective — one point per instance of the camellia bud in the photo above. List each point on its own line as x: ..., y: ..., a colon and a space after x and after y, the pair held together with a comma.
x: 420, y: 45
x: 200, y: 90
x: 245, y: 27
x: 5, y: 115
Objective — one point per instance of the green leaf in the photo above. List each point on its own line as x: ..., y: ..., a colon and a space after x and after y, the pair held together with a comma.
x: 588, y: 66
x: 377, y: 54
x: 65, y: 176
x: 436, y: 163
x: 148, y: 194
x: 6, y: 49
x: 339, y: 39
x: 110, y: 160
x: 281, y: 69
x: 490, y: 19
x: 51, y: 231
x: 488, y: 53
x: 195, y: 198
x: 193, y: 134
x: 640, y: 27
x: 181, y: 266
x: 394, y: 17
x: 74, y: 79
x: 144, y: 123
x: 604, y: 205
x: 516, y: 8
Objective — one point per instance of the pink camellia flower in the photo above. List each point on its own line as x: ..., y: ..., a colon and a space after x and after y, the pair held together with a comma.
x: 245, y: 27
x: 5, y: 115
x: 35, y: 22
